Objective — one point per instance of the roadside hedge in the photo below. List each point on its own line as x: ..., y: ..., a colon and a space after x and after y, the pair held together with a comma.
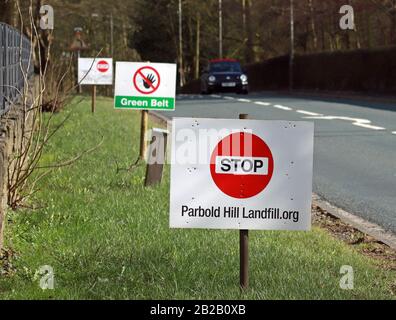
x: 364, y: 70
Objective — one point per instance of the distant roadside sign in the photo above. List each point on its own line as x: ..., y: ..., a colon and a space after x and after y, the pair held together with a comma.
x: 241, y: 174
x: 145, y: 86
x: 95, y: 71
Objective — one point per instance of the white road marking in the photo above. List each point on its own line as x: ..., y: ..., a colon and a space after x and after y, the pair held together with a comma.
x: 278, y: 106
x: 308, y: 113
x: 244, y: 100
x: 394, y: 132
x: 368, y: 126
x: 229, y: 98
x: 364, y: 123
x: 215, y: 96
x: 261, y: 103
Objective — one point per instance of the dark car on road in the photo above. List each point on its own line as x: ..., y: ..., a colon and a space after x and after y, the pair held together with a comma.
x: 224, y: 75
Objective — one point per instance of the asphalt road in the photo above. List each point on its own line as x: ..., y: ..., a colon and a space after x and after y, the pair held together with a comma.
x: 355, y: 144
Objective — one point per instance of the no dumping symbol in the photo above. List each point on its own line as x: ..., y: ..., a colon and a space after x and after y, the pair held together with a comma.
x: 242, y: 165
x: 146, y: 80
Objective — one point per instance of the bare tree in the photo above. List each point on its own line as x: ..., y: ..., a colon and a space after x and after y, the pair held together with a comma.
x: 313, y: 24
x: 197, y: 45
x: 24, y: 166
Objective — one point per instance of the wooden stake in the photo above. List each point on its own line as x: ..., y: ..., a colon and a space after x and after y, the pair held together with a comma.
x: 244, y: 249
x: 93, y: 98
x: 156, y: 157
x: 143, y: 130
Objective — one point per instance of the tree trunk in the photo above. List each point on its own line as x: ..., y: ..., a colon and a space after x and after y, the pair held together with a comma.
x: 323, y: 32
x: 357, y: 37
x: 244, y: 32
x: 313, y: 25
x: 181, y: 52
x: 368, y: 30
x: 393, y: 22
x: 124, y: 35
x: 197, y: 46
x: 249, y: 52
x: 44, y: 41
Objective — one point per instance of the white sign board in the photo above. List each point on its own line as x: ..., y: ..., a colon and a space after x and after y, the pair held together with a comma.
x: 145, y: 86
x: 241, y: 174
x: 95, y: 71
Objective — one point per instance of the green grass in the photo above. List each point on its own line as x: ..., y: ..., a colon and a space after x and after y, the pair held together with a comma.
x: 107, y: 237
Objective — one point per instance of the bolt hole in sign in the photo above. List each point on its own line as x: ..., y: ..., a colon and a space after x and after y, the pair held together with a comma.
x: 241, y: 174
x: 145, y: 86
x: 95, y: 71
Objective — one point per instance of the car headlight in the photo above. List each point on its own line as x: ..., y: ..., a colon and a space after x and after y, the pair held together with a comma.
x: 244, y: 78
x: 212, y: 78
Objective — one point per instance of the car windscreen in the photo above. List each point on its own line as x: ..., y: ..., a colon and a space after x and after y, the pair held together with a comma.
x: 225, y: 66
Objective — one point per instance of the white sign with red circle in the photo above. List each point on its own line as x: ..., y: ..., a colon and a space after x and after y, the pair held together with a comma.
x: 145, y: 86
x: 146, y: 80
x: 248, y: 167
x: 241, y: 174
x: 95, y: 71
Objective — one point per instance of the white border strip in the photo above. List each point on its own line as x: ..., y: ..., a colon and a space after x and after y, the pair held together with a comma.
x: 278, y: 106
x: 368, y: 126
x: 244, y: 100
x: 308, y: 113
x: 262, y: 103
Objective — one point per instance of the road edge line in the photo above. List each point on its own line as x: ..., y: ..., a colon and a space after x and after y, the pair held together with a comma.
x: 361, y: 224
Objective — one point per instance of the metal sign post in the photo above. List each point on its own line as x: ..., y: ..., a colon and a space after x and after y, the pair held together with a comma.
x: 79, y: 88
x: 243, y: 248
x: 244, y: 259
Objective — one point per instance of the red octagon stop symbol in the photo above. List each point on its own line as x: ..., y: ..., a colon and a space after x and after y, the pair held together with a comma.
x: 102, y: 66
x: 241, y: 165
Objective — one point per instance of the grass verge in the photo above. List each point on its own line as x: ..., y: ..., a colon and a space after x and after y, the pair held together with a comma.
x: 107, y: 237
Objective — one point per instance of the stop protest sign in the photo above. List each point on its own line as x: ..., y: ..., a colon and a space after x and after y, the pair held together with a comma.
x: 241, y: 174
x: 102, y: 66
x: 94, y: 71
x: 241, y: 165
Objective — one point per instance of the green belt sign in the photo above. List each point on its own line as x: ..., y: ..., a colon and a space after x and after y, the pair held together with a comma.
x: 145, y: 86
